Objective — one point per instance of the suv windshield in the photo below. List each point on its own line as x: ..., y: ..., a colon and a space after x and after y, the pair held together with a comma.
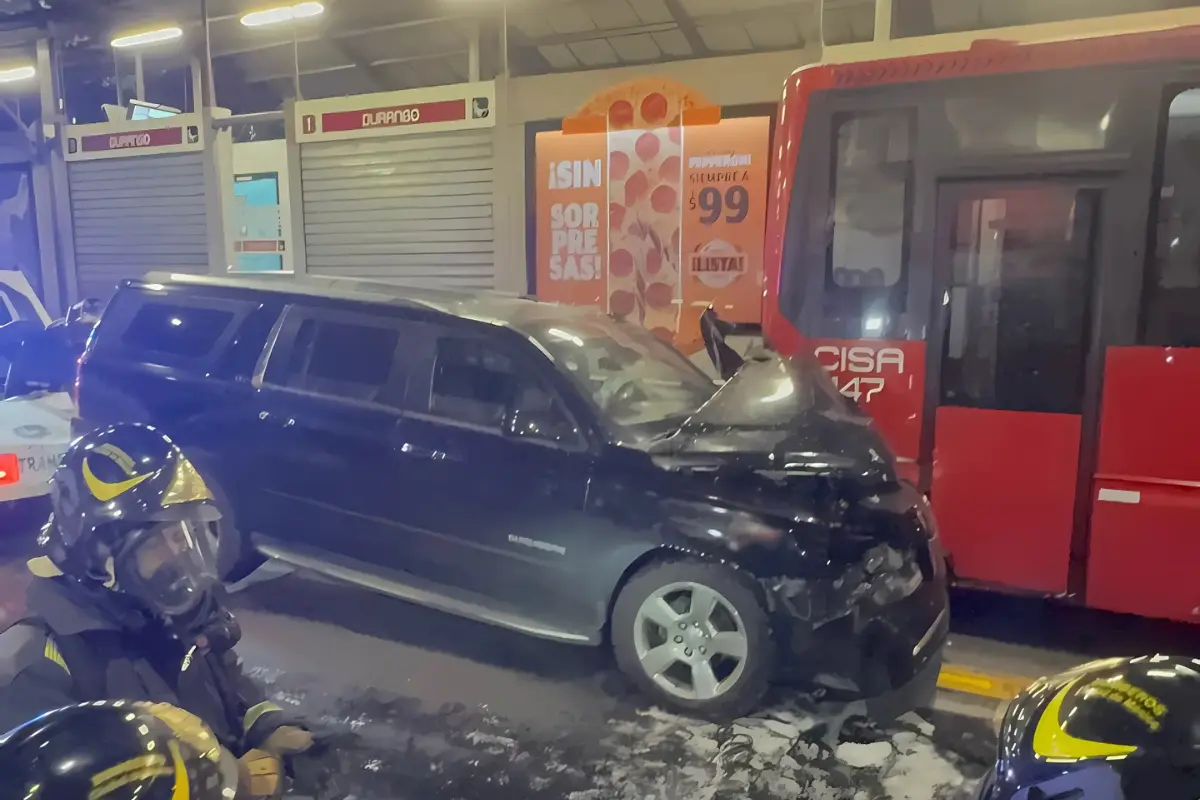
x: 636, y: 379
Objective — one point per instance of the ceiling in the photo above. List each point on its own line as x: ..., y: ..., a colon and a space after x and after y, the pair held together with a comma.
x: 376, y: 45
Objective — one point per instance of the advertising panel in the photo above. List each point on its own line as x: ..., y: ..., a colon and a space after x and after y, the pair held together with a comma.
x: 652, y: 207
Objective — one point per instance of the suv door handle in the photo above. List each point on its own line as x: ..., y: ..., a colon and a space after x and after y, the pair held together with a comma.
x: 267, y: 416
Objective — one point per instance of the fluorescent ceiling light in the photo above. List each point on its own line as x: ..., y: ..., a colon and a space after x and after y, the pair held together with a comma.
x: 274, y: 16
x: 148, y: 37
x: 14, y: 74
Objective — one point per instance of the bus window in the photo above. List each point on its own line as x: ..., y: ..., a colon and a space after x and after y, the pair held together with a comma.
x: 1018, y: 297
x: 866, y: 275
x: 1015, y: 116
x: 1173, y: 291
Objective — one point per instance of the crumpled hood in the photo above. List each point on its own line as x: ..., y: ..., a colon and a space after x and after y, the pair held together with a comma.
x: 785, y: 416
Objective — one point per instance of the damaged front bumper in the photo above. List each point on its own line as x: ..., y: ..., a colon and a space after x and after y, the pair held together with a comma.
x: 873, y: 643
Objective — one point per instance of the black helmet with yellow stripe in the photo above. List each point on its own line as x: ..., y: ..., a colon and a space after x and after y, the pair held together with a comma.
x: 116, y: 751
x: 1112, y: 729
x: 131, y: 513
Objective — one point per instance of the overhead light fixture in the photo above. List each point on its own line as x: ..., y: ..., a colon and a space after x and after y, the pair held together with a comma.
x: 148, y: 37
x: 274, y: 16
x: 14, y: 74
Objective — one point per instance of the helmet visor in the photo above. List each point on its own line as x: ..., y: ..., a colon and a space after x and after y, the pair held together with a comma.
x: 169, y: 567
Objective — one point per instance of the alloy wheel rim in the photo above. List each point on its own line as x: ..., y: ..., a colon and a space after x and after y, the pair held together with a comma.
x: 690, y: 640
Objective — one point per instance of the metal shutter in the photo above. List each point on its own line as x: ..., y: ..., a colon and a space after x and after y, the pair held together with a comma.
x: 134, y: 215
x: 416, y: 209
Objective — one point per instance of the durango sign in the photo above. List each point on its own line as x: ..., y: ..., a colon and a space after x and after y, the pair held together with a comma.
x: 443, y: 108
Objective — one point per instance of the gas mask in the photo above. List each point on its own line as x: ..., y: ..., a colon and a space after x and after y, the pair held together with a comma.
x: 168, y: 569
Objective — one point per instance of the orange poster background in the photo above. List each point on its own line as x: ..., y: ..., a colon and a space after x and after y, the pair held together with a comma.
x: 737, y: 294
x: 565, y: 275
x: 722, y: 261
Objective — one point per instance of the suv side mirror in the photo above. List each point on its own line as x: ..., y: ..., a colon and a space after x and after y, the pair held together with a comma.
x: 713, y: 331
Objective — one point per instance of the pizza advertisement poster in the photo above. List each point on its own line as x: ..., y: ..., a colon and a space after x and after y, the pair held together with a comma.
x: 651, y: 207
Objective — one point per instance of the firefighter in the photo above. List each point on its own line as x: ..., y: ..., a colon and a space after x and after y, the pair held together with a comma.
x: 1117, y: 729
x: 125, y: 604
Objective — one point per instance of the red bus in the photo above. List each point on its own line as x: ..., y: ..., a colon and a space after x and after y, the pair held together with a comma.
x: 997, y: 253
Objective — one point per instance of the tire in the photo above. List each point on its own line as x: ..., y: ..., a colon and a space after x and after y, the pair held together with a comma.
x: 739, y: 688
x: 236, y: 557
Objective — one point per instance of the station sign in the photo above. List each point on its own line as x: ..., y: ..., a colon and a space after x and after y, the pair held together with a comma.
x: 180, y: 134
x: 430, y: 110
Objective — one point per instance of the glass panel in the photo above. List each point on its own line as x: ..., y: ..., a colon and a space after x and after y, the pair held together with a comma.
x: 865, y: 285
x: 1172, y: 312
x: 1018, y: 298
x: 176, y: 330
x: 342, y: 360
x: 1033, y: 113
x: 475, y: 384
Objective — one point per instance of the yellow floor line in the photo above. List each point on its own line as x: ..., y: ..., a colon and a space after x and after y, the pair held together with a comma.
x: 998, y: 687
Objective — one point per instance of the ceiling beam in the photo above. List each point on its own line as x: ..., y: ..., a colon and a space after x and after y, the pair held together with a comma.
x: 374, y: 77
x: 687, y: 26
x: 661, y: 27
x: 330, y: 36
x: 343, y: 67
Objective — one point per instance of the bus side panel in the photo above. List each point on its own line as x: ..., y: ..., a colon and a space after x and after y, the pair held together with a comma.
x: 1145, y: 531
x: 887, y: 380
x: 1017, y: 533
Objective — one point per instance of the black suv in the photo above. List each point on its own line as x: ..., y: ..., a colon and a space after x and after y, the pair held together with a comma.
x: 541, y: 467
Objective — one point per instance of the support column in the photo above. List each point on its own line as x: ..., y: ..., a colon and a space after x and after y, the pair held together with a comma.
x: 51, y: 194
x: 883, y: 20
x: 473, y: 53
x: 139, y: 74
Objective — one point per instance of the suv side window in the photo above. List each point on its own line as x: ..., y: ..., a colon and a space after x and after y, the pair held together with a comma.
x: 351, y: 356
x: 477, y: 384
x: 170, y: 329
x: 176, y: 329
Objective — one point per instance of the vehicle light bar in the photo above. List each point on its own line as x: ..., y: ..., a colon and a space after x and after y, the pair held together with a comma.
x: 10, y: 469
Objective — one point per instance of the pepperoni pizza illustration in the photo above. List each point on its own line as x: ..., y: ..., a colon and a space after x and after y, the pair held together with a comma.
x: 645, y: 124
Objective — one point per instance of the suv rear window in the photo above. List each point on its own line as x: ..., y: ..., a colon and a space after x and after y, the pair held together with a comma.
x: 177, y: 330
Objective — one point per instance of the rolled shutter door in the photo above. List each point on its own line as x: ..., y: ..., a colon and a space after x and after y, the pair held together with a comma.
x: 416, y: 209
x: 135, y: 215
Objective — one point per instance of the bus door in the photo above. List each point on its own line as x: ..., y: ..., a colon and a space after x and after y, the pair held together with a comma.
x: 1144, y: 542
x: 1013, y: 270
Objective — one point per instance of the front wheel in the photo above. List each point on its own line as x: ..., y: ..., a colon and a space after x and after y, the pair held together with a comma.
x: 694, y: 636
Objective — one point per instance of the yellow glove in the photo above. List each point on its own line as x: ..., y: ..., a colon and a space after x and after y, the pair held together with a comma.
x: 288, y: 740
x: 260, y: 776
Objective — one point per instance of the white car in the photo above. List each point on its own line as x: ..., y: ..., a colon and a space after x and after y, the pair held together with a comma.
x: 35, y: 426
x: 34, y: 433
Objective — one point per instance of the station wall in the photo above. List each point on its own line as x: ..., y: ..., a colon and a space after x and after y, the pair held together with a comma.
x: 733, y: 80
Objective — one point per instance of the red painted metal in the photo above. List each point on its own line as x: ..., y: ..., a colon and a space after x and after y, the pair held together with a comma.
x: 888, y: 378
x: 1145, y: 521
x: 1004, y: 494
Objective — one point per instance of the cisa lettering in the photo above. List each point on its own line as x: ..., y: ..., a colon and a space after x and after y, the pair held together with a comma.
x: 866, y: 365
x: 574, y: 253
